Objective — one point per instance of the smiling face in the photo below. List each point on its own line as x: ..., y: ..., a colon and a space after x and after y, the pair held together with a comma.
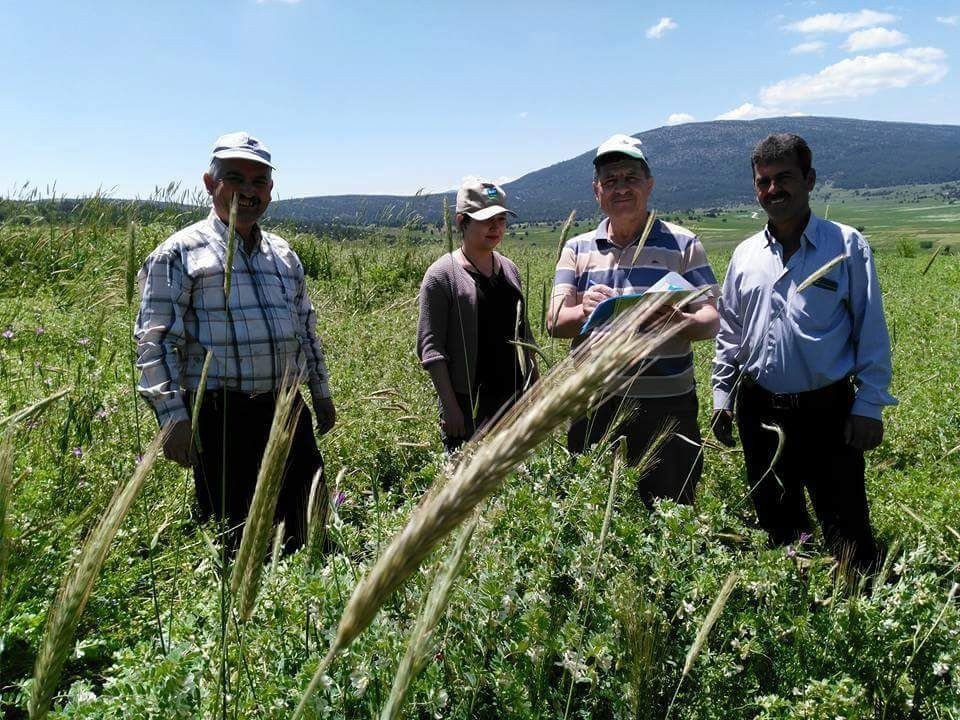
x: 250, y: 180
x: 623, y: 189
x: 783, y: 190
x: 484, y: 235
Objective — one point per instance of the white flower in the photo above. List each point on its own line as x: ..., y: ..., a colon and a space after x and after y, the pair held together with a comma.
x: 359, y: 680
x: 940, y: 669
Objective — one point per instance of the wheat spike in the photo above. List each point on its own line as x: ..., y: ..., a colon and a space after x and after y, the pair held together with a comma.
x: 569, y: 390
x: 820, y: 272
x: 231, y: 248
x: 248, y: 568
x: 77, y: 584
x: 31, y: 410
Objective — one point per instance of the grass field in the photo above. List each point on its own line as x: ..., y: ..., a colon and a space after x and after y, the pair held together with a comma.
x: 552, y: 616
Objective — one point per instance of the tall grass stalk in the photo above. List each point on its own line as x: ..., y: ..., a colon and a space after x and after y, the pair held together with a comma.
x: 419, y: 645
x: 317, y: 503
x: 932, y: 258
x: 6, y: 493
x: 131, y: 273
x: 36, y: 408
x: 248, y: 568
x: 77, y: 584
x: 704, y: 632
x: 569, y: 390
x: 447, y: 225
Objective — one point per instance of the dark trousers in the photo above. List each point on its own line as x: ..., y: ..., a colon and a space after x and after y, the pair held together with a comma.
x: 233, y: 429
x: 815, y: 456
x: 676, y: 467
x: 475, y: 417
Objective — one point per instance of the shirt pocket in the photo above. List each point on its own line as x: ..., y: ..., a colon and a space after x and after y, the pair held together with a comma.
x: 823, y: 306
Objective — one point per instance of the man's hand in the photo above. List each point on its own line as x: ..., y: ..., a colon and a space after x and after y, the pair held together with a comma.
x: 178, y: 445
x: 722, y: 425
x: 862, y: 432
x: 326, y: 414
x: 454, y: 424
x: 595, y: 295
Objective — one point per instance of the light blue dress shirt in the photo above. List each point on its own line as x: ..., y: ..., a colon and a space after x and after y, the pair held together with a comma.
x: 790, y: 341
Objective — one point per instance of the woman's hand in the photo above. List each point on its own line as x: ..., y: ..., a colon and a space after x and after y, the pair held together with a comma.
x: 452, y: 420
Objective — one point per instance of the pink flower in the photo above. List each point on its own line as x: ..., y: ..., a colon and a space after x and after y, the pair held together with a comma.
x: 40, y: 330
x: 339, y: 497
x: 8, y: 333
x: 83, y: 341
x: 77, y: 452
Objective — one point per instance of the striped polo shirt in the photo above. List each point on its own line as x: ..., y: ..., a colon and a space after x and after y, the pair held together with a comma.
x: 592, y: 259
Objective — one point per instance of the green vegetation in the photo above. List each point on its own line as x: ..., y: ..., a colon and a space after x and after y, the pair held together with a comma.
x: 573, y: 599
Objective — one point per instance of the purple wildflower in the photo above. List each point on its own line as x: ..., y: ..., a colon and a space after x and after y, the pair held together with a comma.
x: 8, y: 333
x: 101, y: 414
x: 84, y: 341
x: 790, y: 551
x: 339, y: 497
x: 804, y: 537
x: 40, y: 330
x: 139, y: 458
x: 77, y: 452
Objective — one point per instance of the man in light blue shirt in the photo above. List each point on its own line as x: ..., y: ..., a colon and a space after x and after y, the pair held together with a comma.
x: 804, y: 349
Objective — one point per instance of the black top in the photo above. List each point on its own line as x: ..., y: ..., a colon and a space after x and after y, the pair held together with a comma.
x: 499, y: 378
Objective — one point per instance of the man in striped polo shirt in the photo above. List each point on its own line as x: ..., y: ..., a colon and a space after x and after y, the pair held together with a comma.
x: 609, y: 261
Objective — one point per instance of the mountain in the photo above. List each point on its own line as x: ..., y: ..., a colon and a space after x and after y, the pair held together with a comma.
x: 696, y: 165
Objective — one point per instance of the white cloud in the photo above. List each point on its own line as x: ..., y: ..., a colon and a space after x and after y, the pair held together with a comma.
x: 841, y: 22
x: 278, y: 2
x: 874, y: 38
x: 749, y: 111
x: 808, y: 47
x: 949, y: 20
x: 679, y: 118
x: 523, y: 115
x: 660, y: 29
x: 860, y: 76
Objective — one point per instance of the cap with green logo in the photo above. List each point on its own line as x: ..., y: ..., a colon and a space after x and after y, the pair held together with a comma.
x: 622, y: 144
x: 480, y: 199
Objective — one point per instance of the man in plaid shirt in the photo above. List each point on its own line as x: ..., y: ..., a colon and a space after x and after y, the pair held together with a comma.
x: 266, y: 330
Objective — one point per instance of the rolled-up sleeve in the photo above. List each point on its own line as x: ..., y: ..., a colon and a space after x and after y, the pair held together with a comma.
x: 318, y: 378
x: 160, y: 335
x: 872, y: 360
x: 729, y: 338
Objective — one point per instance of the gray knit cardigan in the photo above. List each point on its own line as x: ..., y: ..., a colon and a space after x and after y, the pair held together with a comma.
x: 447, y: 329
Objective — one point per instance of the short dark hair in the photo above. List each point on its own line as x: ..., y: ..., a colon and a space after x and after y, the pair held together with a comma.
x: 611, y: 158
x: 782, y: 146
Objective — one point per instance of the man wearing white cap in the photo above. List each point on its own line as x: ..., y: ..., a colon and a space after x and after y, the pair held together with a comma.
x: 266, y: 329
x: 610, y: 261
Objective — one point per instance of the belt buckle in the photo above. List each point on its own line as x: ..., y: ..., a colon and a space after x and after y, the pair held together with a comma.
x: 785, y: 401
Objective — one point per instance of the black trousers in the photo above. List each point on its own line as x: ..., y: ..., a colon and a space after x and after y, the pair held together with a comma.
x: 814, y: 456
x: 487, y: 408
x: 677, y: 466
x: 233, y: 429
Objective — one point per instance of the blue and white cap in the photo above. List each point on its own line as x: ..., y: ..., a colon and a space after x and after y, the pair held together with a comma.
x: 622, y: 145
x: 241, y: 145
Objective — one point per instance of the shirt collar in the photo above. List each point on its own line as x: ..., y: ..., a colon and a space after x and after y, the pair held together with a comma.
x: 221, y: 228
x: 602, y: 236
x: 810, y: 232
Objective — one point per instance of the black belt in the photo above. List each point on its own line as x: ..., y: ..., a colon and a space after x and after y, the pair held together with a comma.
x: 826, y: 397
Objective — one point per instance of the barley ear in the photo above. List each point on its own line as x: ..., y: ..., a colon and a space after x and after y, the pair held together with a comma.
x: 231, y: 247
x: 77, y: 584
x: 820, y: 272
x: 565, y: 231
x: 248, y: 567
x: 35, y: 409
x: 708, y: 622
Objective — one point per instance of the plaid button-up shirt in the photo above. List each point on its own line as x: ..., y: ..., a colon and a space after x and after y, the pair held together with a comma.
x: 267, y: 328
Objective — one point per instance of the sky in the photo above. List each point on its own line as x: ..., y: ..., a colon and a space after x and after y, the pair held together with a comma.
x: 393, y: 98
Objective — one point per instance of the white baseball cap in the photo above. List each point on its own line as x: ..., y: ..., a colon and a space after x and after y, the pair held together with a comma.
x: 241, y: 145
x: 622, y: 144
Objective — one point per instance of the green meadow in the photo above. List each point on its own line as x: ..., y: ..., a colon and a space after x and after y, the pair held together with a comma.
x: 571, y: 599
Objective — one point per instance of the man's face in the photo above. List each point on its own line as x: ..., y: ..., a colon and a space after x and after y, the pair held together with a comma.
x: 782, y: 190
x: 250, y: 180
x: 622, y: 188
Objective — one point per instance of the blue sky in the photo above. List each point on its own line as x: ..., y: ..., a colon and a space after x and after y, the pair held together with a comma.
x: 381, y: 97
